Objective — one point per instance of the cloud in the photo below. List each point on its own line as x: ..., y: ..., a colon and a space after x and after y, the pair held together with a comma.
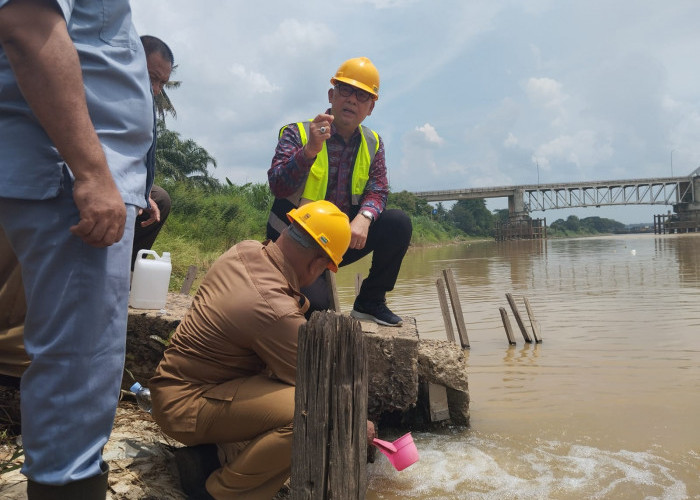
x: 582, y: 149
x: 430, y: 135
x: 510, y: 141
x: 251, y: 81
x: 546, y: 92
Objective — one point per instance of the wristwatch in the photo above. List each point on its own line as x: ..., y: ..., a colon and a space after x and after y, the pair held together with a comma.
x: 367, y: 214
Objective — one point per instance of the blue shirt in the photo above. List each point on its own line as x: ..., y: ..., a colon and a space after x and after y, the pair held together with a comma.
x: 119, y: 101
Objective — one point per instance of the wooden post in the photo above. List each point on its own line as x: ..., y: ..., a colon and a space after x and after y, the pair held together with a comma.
x: 438, y: 403
x: 332, y: 291
x: 533, y: 322
x: 456, y: 307
x: 506, y: 325
x: 518, y: 319
x: 442, y: 296
x: 329, y: 448
x: 358, y: 283
x: 189, y: 279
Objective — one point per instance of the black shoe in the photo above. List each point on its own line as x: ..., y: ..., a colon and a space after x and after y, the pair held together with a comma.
x: 195, y: 464
x: 92, y: 488
x: 376, y: 311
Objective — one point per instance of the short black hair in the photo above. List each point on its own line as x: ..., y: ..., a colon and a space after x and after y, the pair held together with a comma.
x: 152, y: 44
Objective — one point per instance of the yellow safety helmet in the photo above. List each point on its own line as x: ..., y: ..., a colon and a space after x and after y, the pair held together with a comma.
x: 359, y: 72
x: 327, y: 225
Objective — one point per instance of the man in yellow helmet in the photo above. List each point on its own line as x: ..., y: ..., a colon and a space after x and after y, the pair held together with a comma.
x: 228, y: 375
x: 333, y: 157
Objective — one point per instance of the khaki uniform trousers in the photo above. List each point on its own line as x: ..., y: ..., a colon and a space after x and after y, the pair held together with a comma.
x: 259, y: 410
x: 13, y: 309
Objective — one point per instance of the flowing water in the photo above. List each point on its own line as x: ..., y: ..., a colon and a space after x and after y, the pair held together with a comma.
x: 607, y: 406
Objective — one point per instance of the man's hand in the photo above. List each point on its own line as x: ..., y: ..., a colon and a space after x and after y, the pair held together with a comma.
x: 319, y: 131
x: 153, y: 212
x: 35, y: 39
x: 102, y: 212
x: 359, y: 227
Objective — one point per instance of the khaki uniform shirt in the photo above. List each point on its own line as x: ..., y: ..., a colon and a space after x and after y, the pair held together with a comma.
x: 244, y: 321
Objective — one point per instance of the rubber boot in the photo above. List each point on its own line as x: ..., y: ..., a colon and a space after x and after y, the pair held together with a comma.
x: 195, y: 464
x: 92, y: 488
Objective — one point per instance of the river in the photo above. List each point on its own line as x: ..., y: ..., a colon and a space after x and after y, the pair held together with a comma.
x: 607, y: 406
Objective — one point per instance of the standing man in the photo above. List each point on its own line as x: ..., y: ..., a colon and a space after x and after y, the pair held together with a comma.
x: 228, y: 375
x: 77, y: 123
x: 13, y: 358
x: 334, y: 157
x: 160, y: 62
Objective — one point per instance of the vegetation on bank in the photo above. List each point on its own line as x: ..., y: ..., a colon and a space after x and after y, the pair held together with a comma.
x: 573, y: 226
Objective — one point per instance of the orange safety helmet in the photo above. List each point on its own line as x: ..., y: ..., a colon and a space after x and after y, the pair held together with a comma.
x: 327, y: 225
x: 359, y: 72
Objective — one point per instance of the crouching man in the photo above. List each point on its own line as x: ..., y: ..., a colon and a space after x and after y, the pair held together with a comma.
x: 229, y: 373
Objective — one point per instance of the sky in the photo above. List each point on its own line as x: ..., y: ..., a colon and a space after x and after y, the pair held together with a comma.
x: 473, y: 93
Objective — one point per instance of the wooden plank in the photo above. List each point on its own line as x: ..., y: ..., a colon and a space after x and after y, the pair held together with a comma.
x: 329, y: 446
x: 518, y: 319
x: 442, y: 296
x: 189, y: 279
x: 456, y: 307
x: 534, y: 324
x: 437, y: 400
x: 332, y: 291
x: 506, y: 325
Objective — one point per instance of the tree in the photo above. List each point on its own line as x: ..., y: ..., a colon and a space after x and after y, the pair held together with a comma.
x: 180, y: 160
x: 572, y: 223
x: 409, y: 203
x: 163, y: 103
x: 472, y: 217
x: 501, y: 214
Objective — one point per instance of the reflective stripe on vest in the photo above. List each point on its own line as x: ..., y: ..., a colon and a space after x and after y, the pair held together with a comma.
x: 317, y: 181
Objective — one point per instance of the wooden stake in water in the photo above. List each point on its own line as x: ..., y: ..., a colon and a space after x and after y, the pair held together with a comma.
x: 506, y: 325
x: 442, y: 297
x: 332, y: 291
x: 534, y: 324
x: 358, y: 284
x: 456, y: 307
x: 518, y: 319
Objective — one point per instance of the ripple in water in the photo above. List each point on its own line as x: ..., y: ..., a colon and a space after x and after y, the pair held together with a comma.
x: 491, y: 467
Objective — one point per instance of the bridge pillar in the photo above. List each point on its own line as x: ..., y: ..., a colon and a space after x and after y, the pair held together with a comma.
x: 696, y: 194
x: 516, y: 203
x: 519, y: 224
x: 686, y: 218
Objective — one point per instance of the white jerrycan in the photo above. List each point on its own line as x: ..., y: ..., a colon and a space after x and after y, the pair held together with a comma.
x: 149, y: 285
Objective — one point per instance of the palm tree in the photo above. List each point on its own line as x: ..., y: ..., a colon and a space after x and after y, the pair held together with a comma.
x: 163, y: 103
x: 182, y: 160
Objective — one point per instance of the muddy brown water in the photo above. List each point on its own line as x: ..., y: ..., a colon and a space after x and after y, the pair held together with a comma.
x: 608, y: 406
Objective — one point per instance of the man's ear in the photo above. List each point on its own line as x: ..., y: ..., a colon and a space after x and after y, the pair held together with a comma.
x: 318, y: 265
x: 330, y: 96
x: 371, y: 107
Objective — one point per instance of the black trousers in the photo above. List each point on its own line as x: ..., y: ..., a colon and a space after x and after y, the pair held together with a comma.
x: 144, y: 237
x: 388, y: 240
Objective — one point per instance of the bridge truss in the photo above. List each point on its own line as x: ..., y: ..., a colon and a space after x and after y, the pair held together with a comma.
x: 669, y: 191
x: 529, y: 198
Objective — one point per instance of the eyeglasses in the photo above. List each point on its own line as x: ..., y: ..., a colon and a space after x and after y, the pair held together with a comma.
x: 348, y: 90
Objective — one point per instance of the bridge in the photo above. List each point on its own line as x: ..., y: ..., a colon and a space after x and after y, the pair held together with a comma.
x: 683, y: 193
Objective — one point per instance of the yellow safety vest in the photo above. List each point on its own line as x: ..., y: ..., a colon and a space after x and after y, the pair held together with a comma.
x: 317, y: 182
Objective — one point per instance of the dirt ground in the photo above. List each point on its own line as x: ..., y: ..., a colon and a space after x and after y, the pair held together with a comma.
x: 139, y: 456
